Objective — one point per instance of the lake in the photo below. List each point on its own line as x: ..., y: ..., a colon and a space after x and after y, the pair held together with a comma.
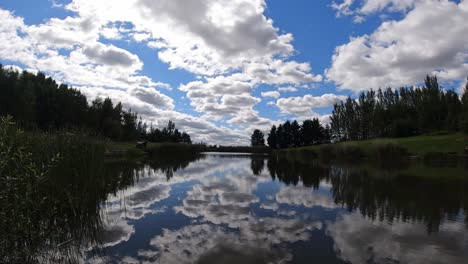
x: 239, y: 208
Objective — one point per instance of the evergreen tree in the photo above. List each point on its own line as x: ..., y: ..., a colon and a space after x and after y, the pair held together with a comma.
x: 272, y: 138
x: 464, y: 114
x: 38, y: 102
x: 296, y: 137
x: 257, y: 138
x: 312, y: 132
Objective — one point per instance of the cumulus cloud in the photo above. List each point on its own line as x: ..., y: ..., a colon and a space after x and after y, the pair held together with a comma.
x: 272, y: 94
x: 287, y: 89
x: 231, y: 45
x: 74, y: 57
x: 65, y: 33
x: 205, y: 37
x: 365, y: 7
x: 152, y: 97
x: 302, y: 106
x: 111, y: 55
x: 157, y: 110
x: 428, y: 40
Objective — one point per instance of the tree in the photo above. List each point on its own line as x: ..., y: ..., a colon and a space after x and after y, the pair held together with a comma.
x: 128, y: 126
x: 186, y: 138
x: 296, y: 137
x: 281, y: 137
x: 312, y: 132
x: 464, y: 115
x: 257, y: 138
x: 272, y: 138
x: 36, y: 101
x: 287, y: 136
x: 337, y: 122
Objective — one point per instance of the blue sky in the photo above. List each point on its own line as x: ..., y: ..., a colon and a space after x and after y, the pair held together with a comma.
x: 221, y: 68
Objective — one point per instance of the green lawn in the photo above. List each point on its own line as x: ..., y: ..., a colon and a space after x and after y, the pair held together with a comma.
x: 417, y: 145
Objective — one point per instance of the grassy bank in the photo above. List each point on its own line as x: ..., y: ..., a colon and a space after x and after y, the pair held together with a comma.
x: 239, y: 149
x: 425, y: 146
x: 129, y: 150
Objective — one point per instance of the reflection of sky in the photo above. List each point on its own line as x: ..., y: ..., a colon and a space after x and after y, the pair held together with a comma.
x: 359, y: 239
x: 217, y: 211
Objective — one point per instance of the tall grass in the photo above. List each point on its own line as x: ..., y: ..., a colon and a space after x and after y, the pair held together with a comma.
x: 45, y: 214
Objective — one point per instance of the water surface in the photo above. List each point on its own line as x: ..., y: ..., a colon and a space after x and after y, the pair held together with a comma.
x: 259, y: 209
x: 239, y: 208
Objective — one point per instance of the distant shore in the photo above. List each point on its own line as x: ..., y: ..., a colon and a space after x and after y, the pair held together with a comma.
x: 438, y: 146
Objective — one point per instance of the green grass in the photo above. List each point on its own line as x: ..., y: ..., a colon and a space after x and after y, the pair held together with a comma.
x: 418, y: 145
x: 129, y: 150
x: 431, y: 148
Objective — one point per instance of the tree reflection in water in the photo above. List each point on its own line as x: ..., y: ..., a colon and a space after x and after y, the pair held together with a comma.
x: 228, y: 207
x: 67, y: 217
x: 384, y: 194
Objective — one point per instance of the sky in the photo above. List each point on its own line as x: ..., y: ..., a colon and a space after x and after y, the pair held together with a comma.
x: 221, y: 68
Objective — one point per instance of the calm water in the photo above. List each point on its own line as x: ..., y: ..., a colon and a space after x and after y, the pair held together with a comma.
x: 258, y: 209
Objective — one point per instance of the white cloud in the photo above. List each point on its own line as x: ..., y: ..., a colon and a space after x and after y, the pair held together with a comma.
x: 429, y: 40
x: 343, y: 8
x: 302, y: 106
x: 231, y: 45
x: 150, y: 96
x: 74, y: 57
x: 210, y: 38
x: 365, y: 7
x: 205, y: 36
x: 156, y: 110
x: 111, y: 55
x: 139, y: 37
x: 287, y: 89
x: 371, y: 6
x: 272, y: 94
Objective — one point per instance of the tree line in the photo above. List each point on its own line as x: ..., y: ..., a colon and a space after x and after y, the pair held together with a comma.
x: 403, y: 112
x: 38, y: 102
x: 291, y: 134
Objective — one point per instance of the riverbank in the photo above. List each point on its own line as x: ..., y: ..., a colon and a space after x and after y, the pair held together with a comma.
x: 430, y: 147
x: 129, y: 149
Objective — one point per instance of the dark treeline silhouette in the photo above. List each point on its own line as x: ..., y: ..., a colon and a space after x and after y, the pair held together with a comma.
x: 404, y: 112
x: 291, y: 134
x: 168, y: 134
x: 38, y: 102
x: 399, y: 113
